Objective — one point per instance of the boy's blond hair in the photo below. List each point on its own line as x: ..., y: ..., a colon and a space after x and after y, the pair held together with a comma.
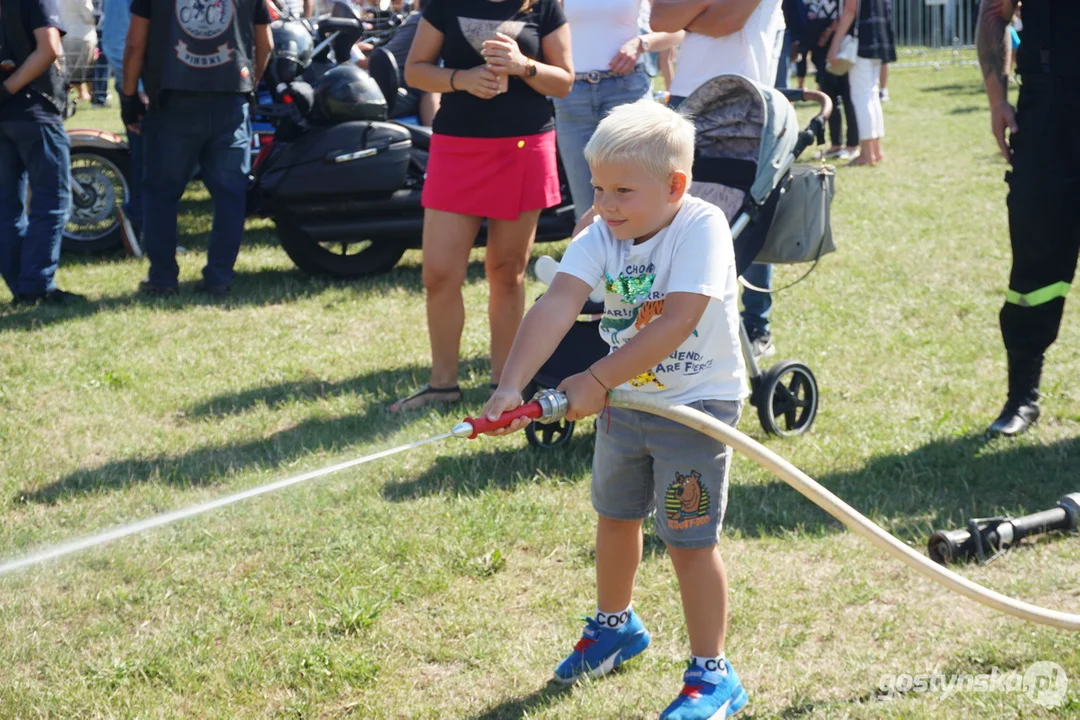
x: 647, y: 133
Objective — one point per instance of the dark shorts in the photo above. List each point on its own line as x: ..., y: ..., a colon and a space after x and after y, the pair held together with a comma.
x: 644, y: 463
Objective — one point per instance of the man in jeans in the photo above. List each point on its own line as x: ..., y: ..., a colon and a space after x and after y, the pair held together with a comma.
x: 34, y: 150
x: 198, y: 61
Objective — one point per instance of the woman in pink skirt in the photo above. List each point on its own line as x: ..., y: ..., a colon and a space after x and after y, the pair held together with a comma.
x: 492, y: 156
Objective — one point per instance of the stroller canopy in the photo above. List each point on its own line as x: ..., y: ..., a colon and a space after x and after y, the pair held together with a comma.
x: 745, y: 132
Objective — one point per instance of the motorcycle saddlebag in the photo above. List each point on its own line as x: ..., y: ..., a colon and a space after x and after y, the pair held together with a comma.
x: 359, y: 159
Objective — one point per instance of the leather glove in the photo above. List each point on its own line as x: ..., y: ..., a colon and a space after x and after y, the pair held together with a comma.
x: 132, y: 109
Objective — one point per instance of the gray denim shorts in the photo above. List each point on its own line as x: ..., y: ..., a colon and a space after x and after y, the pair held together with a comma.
x: 644, y: 462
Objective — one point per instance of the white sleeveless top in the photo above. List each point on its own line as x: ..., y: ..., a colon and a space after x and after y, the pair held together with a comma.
x: 599, y: 28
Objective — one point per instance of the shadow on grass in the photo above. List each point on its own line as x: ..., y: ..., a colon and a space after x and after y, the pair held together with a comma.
x: 522, y: 707
x: 811, y: 707
x: 973, y: 88
x: 211, y: 464
x: 404, y: 379
x: 506, y: 469
x: 265, y: 287
x: 937, y: 486
x: 967, y: 110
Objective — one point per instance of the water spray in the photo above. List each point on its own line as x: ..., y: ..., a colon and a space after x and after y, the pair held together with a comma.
x: 546, y: 407
x: 550, y: 406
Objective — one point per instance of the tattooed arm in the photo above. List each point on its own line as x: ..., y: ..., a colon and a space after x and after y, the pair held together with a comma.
x: 992, y: 41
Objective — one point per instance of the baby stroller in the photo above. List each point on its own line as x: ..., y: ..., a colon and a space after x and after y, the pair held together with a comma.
x: 747, y: 142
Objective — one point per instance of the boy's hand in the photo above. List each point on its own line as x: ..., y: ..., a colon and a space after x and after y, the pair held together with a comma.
x: 585, y: 395
x: 504, y: 400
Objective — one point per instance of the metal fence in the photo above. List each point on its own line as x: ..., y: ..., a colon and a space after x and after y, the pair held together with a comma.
x: 935, y: 32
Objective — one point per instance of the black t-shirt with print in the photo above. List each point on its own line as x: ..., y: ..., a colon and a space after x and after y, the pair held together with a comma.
x: 465, y: 24
x: 28, y: 104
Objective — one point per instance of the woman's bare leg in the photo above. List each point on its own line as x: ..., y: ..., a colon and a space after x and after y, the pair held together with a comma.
x: 866, y: 154
x: 448, y: 238
x: 509, y: 245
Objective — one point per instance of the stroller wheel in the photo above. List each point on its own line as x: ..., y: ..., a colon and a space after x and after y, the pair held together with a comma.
x: 551, y: 435
x: 787, y: 399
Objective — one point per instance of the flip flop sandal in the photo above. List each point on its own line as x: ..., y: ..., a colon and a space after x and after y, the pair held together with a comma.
x: 426, y: 396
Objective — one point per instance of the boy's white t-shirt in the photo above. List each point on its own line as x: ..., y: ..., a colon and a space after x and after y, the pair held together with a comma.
x: 694, y: 254
x: 753, y: 52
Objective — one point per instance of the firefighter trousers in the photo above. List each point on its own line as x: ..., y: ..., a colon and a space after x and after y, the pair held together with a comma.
x: 1044, y: 213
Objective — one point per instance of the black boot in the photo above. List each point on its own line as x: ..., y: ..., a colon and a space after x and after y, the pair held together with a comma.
x: 1022, y: 406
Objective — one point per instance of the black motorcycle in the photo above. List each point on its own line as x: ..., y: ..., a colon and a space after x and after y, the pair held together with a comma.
x: 344, y: 190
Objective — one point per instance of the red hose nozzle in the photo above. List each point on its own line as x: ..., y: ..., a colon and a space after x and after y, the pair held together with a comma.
x: 547, y: 406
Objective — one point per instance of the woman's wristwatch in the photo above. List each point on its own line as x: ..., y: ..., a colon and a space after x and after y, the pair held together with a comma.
x: 643, y: 45
x: 530, y: 69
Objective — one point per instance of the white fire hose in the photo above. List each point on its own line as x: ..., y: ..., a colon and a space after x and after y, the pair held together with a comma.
x: 840, y: 510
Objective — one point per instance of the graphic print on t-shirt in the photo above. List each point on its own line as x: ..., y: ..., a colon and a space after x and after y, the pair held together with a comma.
x: 478, y: 31
x: 204, y: 20
x: 642, y: 305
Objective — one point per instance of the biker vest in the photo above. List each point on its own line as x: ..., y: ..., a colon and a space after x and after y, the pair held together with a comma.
x: 15, y: 47
x: 200, y: 46
x: 1048, y: 40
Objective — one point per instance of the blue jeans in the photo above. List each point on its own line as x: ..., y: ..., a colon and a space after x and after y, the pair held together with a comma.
x: 757, y: 305
x: 180, y: 131
x: 783, y: 66
x: 100, y: 75
x: 576, y: 118
x: 38, y: 156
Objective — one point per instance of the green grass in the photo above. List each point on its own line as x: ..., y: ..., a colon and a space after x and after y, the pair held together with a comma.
x: 446, y: 582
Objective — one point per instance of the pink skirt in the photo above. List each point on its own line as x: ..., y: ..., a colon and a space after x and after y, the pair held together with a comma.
x: 492, y: 177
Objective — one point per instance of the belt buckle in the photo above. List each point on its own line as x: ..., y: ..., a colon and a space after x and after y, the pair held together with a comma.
x: 593, y: 76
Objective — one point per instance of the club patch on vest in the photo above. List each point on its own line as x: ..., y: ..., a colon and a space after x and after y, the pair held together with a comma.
x: 195, y: 60
x: 686, y: 502
x: 204, y: 19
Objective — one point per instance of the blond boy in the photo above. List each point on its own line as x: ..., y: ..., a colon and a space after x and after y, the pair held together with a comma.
x: 671, y: 319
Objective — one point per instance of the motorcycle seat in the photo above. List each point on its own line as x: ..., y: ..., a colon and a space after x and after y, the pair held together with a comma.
x: 420, y: 136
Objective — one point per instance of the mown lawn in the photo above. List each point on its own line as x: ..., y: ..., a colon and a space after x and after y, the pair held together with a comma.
x: 447, y: 582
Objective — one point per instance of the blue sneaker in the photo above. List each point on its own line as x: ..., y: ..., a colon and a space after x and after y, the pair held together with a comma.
x: 600, y: 650
x: 707, y: 695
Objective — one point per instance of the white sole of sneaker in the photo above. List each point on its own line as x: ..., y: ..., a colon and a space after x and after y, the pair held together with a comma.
x: 636, y: 648
x: 597, y: 672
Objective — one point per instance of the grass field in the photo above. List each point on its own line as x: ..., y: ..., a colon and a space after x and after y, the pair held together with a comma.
x: 447, y: 582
